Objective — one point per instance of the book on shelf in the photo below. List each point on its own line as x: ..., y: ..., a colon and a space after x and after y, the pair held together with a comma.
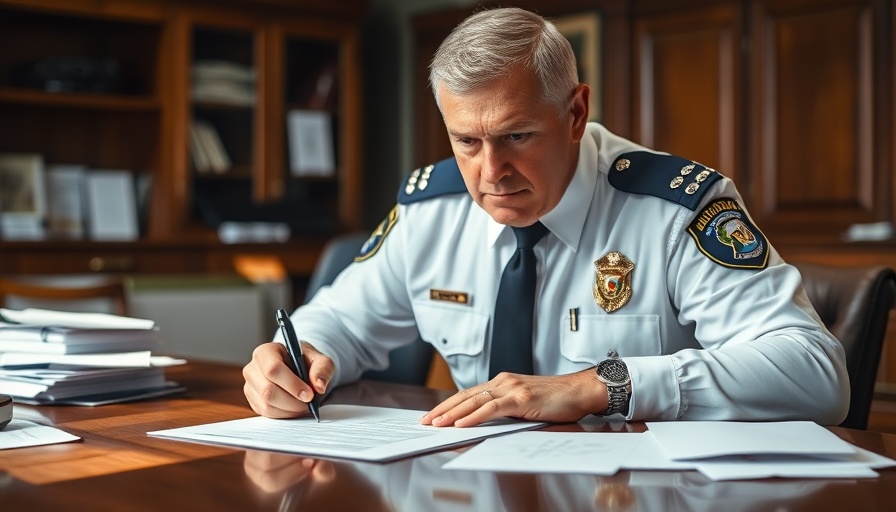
x: 65, y: 205
x: 324, y: 93
x: 22, y: 226
x: 56, y: 357
x: 223, y: 82
x: 111, y: 205
x: 206, y: 148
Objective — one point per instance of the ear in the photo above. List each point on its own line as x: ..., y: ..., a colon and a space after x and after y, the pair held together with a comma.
x: 578, y: 110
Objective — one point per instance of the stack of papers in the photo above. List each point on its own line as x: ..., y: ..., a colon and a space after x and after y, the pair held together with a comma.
x: 719, y: 450
x: 54, y: 357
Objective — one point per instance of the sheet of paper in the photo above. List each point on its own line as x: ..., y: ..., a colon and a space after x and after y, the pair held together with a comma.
x: 21, y: 433
x: 740, y: 467
x: 858, y: 465
x: 345, y: 431
x: 549, y: 452
x: 684, y: 440
x: 648, y: 455
x: 37, y: 316
x: 113, y: 359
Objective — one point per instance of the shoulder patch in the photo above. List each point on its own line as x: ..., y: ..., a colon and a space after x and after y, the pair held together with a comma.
x: 665, y: 176
x: 373, y: 244
x: 725, y: 234
x: 439, y: 179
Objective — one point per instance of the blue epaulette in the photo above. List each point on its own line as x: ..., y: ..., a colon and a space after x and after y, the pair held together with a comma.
x: 666, y: 176
x: 435, y: 180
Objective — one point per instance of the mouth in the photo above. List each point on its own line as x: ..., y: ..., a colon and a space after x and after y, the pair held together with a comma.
x: 501, y: 195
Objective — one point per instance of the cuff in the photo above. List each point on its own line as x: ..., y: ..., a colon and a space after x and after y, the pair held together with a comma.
x: 656, y: 394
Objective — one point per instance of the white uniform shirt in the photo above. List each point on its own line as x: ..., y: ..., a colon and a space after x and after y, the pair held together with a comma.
x: 701, y: 341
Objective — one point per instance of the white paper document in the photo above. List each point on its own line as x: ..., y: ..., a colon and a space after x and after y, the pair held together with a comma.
x: 550, y: 452
x: 682, y: 440
x: 345, y: 431
x: 21, y: 433
x: 37, y: 316
x: 740, y: 467
x: 724, y: 450
x: 757, y: 452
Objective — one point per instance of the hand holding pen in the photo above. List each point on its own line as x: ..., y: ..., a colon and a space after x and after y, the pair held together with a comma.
x: 298, y: 360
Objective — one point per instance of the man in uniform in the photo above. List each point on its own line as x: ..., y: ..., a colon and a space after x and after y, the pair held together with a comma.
x: 561, y: 270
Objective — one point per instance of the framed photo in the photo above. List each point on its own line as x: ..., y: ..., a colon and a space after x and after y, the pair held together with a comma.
x: 22, y: 184
x: 22, y: 197
x: 583, y: 33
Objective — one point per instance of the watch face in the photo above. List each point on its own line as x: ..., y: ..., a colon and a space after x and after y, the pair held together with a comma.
x: 613, y: 371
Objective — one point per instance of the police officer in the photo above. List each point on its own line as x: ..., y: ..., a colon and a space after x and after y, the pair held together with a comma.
x: 650, y: 291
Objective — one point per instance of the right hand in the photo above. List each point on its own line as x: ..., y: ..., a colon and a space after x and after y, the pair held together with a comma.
x: 273, y: 390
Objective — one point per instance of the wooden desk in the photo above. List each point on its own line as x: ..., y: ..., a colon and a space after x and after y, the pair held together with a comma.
x: 118, y: 468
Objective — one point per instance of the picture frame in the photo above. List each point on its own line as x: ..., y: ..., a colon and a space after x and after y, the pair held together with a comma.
x: 23, y: 202
x: 583, y: 31
x: 22, y: 184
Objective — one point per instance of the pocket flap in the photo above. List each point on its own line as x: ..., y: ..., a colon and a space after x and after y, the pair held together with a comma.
x: 628, y: 335
x: 451, y: 329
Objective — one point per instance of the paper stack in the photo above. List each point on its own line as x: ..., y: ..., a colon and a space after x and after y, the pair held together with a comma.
x: 720, y: 450
x: 53, y: 357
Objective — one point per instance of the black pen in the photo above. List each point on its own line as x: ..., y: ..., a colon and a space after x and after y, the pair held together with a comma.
x: 298, y: 361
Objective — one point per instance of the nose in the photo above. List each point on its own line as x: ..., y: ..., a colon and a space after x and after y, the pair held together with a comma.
x: 494, y: 166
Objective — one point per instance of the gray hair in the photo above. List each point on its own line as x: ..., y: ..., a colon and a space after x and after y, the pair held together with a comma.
x: 488, y: 44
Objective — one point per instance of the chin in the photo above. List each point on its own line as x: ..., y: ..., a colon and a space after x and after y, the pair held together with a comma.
x: 513, y: 218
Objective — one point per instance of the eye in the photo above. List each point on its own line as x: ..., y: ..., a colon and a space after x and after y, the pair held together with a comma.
x: 465, y: 141
x: 517, y: 137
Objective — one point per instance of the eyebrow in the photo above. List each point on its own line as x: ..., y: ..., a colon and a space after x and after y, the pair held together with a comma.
x: 514, y: 127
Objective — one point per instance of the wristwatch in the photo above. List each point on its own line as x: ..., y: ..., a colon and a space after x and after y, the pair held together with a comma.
x: 614, y: 373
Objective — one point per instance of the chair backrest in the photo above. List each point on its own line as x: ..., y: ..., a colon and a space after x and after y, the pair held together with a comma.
x: 57, y: 293
x: 408, y: 364
x: 854, y: 303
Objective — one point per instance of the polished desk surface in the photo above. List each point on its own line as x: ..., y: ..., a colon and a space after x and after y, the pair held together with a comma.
x: 117, y: 467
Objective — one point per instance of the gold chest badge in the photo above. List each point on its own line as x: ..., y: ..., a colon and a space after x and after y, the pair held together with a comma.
x: 613, y: 281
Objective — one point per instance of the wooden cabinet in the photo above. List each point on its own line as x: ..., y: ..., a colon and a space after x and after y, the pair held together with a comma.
x: 688, y: 93
x: 790, y: 98
x: 281, y: 56
x: 819, y: 114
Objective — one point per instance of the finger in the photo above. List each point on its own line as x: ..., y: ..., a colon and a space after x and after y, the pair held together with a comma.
x: 320, y: 368
x: 450, y: 403
x: 269, y: 400
x: 492, y: 409
x: 481, y: 404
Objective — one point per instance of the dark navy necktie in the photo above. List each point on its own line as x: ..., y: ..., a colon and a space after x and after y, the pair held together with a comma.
x: 514, y: 307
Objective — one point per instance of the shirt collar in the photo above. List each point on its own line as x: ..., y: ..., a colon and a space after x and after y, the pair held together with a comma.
x: 567, y: 219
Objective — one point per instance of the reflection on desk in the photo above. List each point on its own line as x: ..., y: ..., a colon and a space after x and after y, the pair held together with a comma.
x: 420, y: 484
x: 118, y: 467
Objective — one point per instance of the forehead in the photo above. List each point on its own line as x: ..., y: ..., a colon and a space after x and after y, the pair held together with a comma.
x: 507, y: 101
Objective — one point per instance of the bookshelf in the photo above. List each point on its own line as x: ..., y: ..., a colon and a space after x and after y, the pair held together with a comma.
x: 236, y: 68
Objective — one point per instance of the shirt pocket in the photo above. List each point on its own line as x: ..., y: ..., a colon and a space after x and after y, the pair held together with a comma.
x: 452, y: 330
x: 628, y: 335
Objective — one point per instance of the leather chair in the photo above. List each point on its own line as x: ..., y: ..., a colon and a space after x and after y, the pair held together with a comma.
x: 409, y: 364
x: 61, y: 293
x: 854, y: 303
